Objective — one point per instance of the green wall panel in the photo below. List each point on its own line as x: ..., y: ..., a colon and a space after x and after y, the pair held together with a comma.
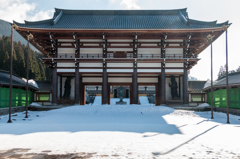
x: 18, y: 97
x: 220, y: 98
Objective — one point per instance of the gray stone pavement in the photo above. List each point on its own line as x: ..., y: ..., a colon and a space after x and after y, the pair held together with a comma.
x: 19, y: 153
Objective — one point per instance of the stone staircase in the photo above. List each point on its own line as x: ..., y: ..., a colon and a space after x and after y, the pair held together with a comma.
x: 65, y: 102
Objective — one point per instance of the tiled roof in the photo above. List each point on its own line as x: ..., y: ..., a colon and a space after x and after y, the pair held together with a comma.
x: 44, y: 85
x: 120, y: 19
x: 16, y: 81
x: 233, y: 80
x: 196, y: 86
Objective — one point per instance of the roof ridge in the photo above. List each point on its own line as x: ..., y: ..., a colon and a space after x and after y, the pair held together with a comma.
x: 169, y: 11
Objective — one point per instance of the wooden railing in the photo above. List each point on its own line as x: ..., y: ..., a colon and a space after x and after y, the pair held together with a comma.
x: 142, y: 56
x: 90, y: 56
x: 63, y: 56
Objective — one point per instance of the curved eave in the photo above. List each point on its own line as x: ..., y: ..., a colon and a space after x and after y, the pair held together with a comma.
x: 123, y: 30
x: 20, y: 85
x: 33, y: 43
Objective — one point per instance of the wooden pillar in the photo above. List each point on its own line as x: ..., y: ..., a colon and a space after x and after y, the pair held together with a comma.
x: 109, y: 94
x: 60, y: 86
x: 184, y: 50
x: 135, y: 48
x: 77, y: 50
x: 163, y: 85
x: 179, y: 87
x: 54, y: 83
x: 162, y: 49
x: 81, y: 92
x: 185, y: 86
x: 104, y: 85
x: 77, y: 84
x: 104, y: 55
x: 158, y: 90
x: 56, y: 54
x: 134, y: 85
x: 130, y: 88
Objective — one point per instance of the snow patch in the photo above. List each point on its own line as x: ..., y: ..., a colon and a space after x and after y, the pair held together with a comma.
x: 144, y: 100
x: 31, y: 82
x: 35, y: 104
x: 204, y: 105
x: 183, y: 113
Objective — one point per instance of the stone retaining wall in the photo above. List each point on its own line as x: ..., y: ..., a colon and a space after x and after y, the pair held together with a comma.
x: 224, y: 110
x: 5, y: 111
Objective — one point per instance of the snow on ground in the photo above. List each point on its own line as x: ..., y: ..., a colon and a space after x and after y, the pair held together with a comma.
x: 204, y: 105
x: 97, y: 100
x: 126, y: 131
x: 35, y: 104
x: 144, y: 100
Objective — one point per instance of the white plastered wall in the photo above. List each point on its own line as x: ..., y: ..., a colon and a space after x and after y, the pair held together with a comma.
x: 149, y: 51
x: 92, y: 80
x: 149, y: 40
x: 139, y: 65
x: 174, y: 70
x: 149, y: 70
x: 61, y: 64
x: 119, y: 40
x: 172, y: 51
x: 119, y: 70
x: 174, y: 65
x: 66, y: 70
x: 90, y: 70
x: 119, y: 80
x: 119, y: 65
x: 147, y: 80
x: 91, y: 51
x: 100, y: 65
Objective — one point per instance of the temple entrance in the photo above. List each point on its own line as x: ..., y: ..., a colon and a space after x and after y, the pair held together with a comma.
x: 118, y: 92
x: 65, y: 89
x: 174, y: 90
x: 93, y: 94
x: 147, y: 94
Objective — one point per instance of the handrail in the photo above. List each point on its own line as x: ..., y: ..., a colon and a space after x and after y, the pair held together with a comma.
x: 128, y: 55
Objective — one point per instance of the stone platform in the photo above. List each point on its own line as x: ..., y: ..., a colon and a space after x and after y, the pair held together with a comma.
x: 46, y: 108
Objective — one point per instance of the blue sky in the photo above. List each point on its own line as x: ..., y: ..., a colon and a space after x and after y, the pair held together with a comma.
x: 205, y: 10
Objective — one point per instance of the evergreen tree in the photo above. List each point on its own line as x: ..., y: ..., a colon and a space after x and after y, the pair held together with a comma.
x: 37, y: 70
x: 238, y: 69
x: 222, y: 72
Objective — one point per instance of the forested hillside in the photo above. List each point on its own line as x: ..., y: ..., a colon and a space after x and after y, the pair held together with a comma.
x: 37, y: 70
x: 5, y: 29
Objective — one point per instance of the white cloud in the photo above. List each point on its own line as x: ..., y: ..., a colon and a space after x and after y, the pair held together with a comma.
x: 128, y: 4
x: 41, y: 15
x: 20, y: 10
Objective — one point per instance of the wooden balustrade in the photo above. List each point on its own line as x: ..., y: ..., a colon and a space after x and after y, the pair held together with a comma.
x: 147, y: 56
